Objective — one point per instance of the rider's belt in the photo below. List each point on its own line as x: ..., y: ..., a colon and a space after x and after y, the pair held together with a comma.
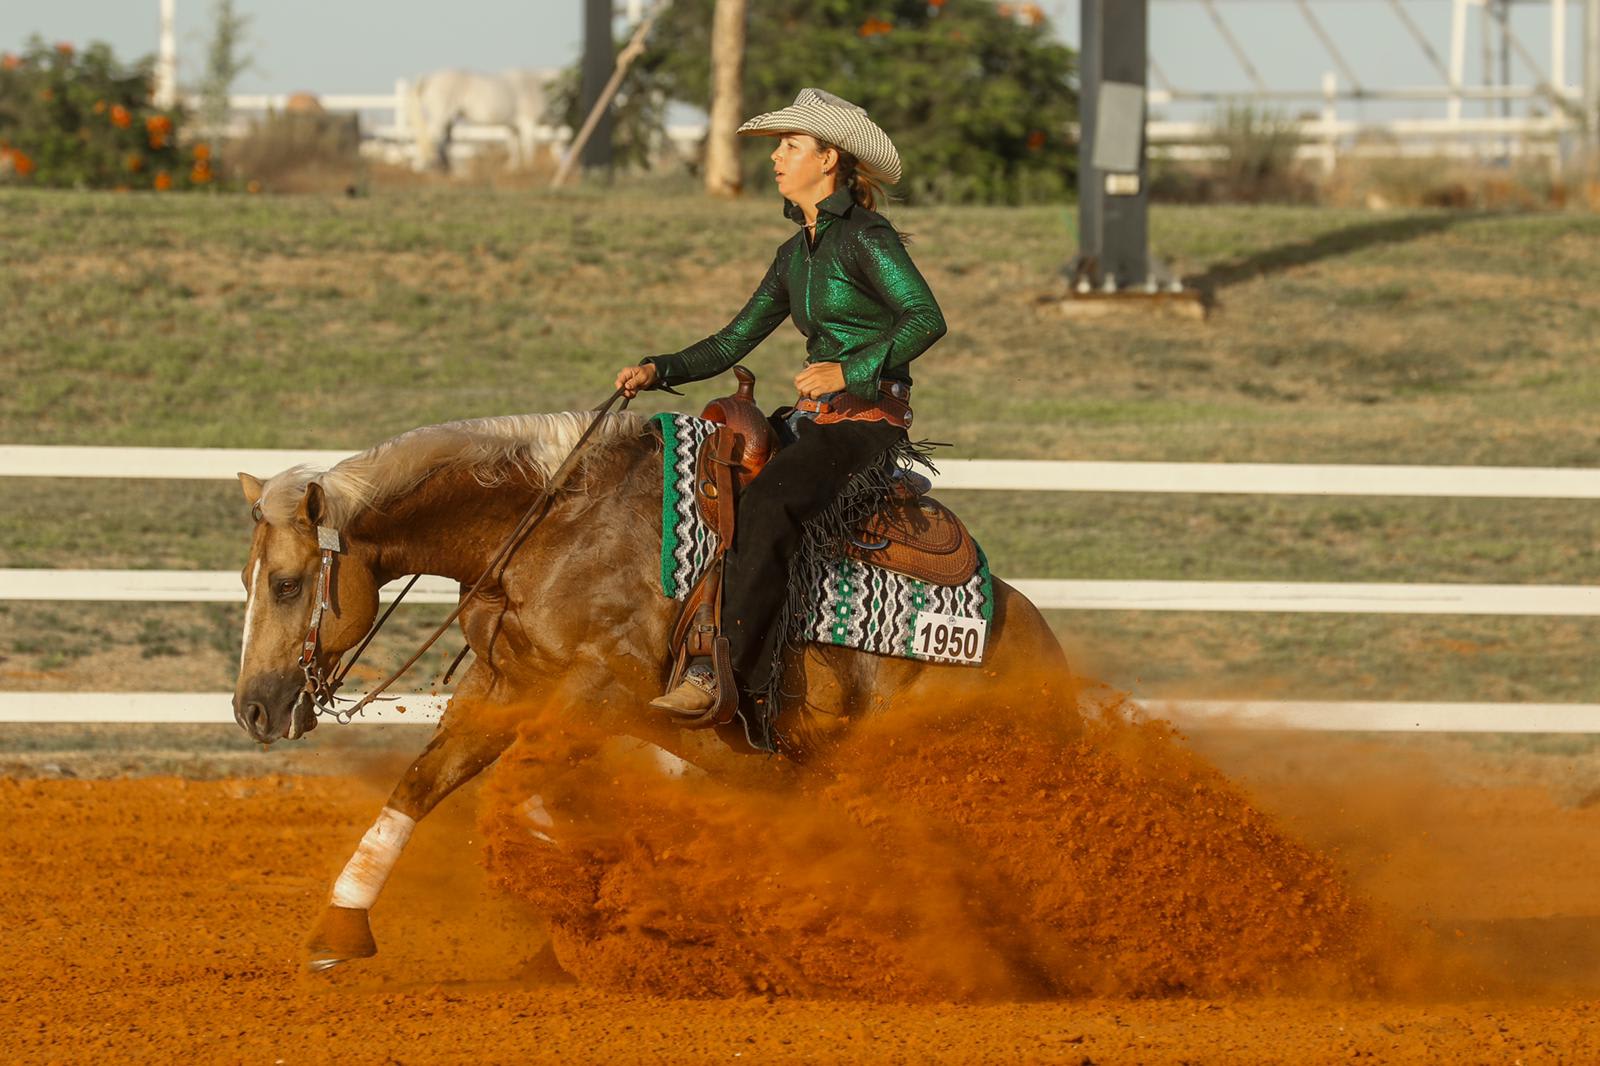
x: 892, y: 405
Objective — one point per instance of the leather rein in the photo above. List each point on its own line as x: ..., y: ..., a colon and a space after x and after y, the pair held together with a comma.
x: 323, y: 690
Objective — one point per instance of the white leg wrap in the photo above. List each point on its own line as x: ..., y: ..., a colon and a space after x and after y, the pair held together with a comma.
x: 363, y: 877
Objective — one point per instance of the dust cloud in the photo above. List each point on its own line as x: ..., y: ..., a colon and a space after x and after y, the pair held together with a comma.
x: 933, y: 855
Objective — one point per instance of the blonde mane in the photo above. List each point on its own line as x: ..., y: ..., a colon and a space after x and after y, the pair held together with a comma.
x: 493, y: 449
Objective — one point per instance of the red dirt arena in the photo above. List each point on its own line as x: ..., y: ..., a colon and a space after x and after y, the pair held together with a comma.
x: 982, y: 892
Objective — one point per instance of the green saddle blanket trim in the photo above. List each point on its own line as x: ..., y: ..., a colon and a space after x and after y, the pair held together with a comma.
x: 851, y: 604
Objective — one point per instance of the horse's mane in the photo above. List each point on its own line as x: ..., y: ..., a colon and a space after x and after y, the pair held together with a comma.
x: 493, y: 449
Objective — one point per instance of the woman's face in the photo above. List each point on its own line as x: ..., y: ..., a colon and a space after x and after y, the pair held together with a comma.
x: 802, y: 170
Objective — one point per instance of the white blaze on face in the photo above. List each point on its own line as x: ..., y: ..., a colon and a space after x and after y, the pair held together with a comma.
x: 249, y: 614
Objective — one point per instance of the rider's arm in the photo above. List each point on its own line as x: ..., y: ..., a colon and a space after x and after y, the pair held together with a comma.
x: 761, y: 315
x: 879, y: 258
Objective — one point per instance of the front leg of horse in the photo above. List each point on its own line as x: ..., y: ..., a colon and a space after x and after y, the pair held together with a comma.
x: 456, y: 754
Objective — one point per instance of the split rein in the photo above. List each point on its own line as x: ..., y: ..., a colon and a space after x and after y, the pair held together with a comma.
x: 322, y: 690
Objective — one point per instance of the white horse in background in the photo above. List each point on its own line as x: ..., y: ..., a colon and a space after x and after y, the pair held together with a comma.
x: 515, y: 99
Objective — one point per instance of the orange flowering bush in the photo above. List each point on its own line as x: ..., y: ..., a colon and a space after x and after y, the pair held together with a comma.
x: 81, y: 119
x: 13, y: 161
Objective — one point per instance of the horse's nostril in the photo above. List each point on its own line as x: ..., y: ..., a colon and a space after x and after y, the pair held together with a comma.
x: 255, y: 716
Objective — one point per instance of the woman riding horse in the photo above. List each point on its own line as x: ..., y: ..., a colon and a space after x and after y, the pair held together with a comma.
x: 866, y: 312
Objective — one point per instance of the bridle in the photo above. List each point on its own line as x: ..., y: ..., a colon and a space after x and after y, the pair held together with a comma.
x: 323, y: 690
x: 319, y: 688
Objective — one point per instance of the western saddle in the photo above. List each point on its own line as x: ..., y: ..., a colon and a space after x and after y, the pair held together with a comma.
x: 913, y: 534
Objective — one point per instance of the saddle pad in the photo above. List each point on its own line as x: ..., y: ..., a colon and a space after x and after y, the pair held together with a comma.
x: 851, y: 603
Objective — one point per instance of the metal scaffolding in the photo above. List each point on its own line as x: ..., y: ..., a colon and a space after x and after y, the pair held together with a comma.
x: 1513, y: 73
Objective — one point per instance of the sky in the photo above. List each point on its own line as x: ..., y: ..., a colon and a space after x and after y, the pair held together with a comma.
x: 362, y: 46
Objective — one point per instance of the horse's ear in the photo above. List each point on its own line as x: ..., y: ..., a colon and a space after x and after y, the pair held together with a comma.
x: 312, y: 505
x: 251, y: 487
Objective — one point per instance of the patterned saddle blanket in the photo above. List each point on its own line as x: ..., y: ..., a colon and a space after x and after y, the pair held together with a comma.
x: 850, y: 602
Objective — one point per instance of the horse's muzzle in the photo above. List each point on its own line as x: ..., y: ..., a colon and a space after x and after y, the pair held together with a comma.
x: 272, y: 709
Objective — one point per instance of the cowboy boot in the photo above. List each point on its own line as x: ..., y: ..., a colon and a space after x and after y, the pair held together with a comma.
x: 695, y: 695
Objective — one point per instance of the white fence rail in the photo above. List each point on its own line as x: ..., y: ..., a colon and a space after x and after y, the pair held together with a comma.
x: 418, y: 708
x: 1015, y: 475
x: 1028, y: 475
x: 387, y: 134
x: 1332, y: 597
x: 386, y: 131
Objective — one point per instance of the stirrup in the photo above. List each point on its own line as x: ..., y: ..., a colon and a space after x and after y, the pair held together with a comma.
x: 715, y: 696
x: 695, y: 695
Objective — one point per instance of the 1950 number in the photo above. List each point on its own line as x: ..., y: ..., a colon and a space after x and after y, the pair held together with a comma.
x: 948, y: 637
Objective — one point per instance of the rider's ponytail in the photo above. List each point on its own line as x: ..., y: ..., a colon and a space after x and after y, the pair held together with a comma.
x: 865, y: 186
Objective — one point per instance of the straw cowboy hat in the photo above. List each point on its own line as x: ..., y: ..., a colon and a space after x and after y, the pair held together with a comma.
x: 837, y: 121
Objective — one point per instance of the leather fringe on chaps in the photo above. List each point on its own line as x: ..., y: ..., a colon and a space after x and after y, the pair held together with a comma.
x: 821, y: 539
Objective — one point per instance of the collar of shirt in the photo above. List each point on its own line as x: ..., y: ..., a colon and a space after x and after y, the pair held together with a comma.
x: 836, y: 203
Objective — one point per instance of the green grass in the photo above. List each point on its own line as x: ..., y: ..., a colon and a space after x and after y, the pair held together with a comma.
x: 1339, y: 336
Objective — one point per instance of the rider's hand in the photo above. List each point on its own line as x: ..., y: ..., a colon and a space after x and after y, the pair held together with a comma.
x: 632, y: 379
x: 818, y: 379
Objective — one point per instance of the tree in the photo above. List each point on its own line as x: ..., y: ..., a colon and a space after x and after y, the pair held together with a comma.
x: 727, y: 98
x: 977, y: 95
x: 226, y: 59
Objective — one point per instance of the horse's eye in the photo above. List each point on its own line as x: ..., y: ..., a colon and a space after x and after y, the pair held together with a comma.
x: 287, y: 588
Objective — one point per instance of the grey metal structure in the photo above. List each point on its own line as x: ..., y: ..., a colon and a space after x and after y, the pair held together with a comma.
x: 1113, y: 196
x: 599, y: 55
x: 1526, y: 103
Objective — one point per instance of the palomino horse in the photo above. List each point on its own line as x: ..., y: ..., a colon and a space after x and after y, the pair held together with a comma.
x: 577, y: 625
x: 514, y: 99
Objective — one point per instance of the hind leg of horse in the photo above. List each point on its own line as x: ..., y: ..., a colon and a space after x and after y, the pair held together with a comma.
x: 1022, y: 666
x: 470, y: 737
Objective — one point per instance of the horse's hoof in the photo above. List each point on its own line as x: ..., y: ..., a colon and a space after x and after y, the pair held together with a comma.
x: 341, y: 934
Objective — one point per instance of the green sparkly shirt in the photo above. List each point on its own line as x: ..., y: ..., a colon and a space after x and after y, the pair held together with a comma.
x: 854, y: 293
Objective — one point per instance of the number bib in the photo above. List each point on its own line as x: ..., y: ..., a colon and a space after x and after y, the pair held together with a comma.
x: 949, y: 638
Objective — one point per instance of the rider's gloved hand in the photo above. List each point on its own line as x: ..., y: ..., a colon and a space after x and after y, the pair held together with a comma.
x: 634, y: 379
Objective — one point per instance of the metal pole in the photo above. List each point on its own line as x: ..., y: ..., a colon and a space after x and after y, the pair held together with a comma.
x: 1486, y: 56
x: 167, y: 61
x: 1558, y: 46
x: 1234, y: 46
x: 602, y: 103
x: 1113, y: 201
x: 599, y: 56
x: 1503, y: 12
x: 1421, y: 38
x: 1327, y: 42
x: 1330, y: 121
x: 1591, y: 74
x: 1458, y: 55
